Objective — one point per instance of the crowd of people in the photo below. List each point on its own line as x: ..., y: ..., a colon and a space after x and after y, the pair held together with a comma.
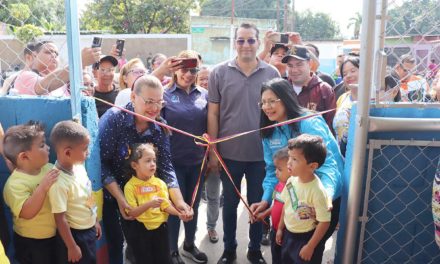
x: 293, y: 171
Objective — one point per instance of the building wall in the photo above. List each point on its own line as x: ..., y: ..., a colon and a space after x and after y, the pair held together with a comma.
x: 211, y: 35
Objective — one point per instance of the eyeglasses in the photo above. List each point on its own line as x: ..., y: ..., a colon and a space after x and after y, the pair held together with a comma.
x: 193, y: 71
x: 269, y: 103
x: 137, y: 72
x: 150, y: 102
x: 250, y: 41
x: 107, y: 71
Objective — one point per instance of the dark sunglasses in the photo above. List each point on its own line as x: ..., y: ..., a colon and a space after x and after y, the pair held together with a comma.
x: 193, y: 71
x: 250, y: 41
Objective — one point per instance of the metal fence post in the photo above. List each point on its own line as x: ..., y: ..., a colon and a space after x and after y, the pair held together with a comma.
x: 74, y: 55
x: 361, y: 128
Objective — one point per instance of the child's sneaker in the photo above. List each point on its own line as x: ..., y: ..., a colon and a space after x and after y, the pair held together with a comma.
x: 194, y: 253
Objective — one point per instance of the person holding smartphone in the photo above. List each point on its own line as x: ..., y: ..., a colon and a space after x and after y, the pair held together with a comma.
x: 44, y: 76
x: 186, y: 109
x: 276, y: 46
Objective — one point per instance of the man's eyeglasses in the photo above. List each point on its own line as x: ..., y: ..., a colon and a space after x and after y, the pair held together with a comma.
x: 250, y: 41
x: 193, y: 71
x: 137, y: 72
x: 106, y: 71
x: 150, y: 102
x: 269, y: 103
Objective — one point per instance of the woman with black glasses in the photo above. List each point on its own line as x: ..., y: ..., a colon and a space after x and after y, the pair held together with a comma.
x: 278, y: 104
x: 186, y: 109
x: 118, y: 131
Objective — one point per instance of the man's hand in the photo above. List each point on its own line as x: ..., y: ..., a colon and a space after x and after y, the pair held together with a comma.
x: 74, y: 254
x: 115, y: 52
x: 90, y: 56
x: 294, y: 38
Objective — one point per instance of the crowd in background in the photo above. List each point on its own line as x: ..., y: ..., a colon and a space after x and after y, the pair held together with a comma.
x: 248, y: 92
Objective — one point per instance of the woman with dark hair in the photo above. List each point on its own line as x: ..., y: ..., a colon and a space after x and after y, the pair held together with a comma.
x: 349, y: 63
x: 186, y: 109
x: 350, y: 75
x: 278, y: 104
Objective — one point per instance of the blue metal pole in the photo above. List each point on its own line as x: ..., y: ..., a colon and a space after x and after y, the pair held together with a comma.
x: 74, y: 53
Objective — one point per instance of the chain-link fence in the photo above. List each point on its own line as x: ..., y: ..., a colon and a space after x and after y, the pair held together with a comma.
x: 396, y: 220
x: 32, y: 37
x: 408, y: 50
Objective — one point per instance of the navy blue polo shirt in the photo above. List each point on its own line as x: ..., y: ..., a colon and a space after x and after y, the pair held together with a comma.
x: 188, y: 112
x: 117, y: 132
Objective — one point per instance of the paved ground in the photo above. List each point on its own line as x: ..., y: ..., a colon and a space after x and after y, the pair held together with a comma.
x: 214, y: 251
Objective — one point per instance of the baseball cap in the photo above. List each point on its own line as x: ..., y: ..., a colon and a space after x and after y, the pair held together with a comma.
x: 110, y: 59
x: 277, y: 46
x: 298, y: 52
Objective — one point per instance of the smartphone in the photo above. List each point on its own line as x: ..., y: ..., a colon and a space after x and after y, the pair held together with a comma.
x: 189, y: 63
x: 97, y: 41
x: 280, y: 38
x: 120, y: 46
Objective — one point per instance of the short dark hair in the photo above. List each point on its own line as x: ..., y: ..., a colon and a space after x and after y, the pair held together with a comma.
x: 312, y: 147
x: 30, y: 47
x: 315, y: 49
x: 247, y: 26
x: 156, y: 56
x: 19, y: 139
x: 68, y: 132
x: 281, y: 154
x: 39, y: 45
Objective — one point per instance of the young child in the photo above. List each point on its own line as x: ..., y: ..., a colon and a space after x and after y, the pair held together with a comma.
x: 25, y: 193
x: 71, y: 196
x: 305, y: 215
x: 280, y: 161
x: 150, y: 205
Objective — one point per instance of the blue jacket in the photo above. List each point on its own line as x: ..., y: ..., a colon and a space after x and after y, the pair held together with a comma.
x: 330, y: 172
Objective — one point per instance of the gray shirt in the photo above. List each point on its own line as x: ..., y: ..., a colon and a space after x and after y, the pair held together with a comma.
x: 238, y: 96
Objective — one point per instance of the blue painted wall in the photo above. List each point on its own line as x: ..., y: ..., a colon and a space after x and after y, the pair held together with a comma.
x: 19, y: 110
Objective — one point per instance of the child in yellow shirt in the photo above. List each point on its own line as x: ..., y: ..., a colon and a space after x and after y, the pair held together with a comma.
x: 71, y: 196
x: 150, y: 205
x: 305, y: 217
x: 25, y: 193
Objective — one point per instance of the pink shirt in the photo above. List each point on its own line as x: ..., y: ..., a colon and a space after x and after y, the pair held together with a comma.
x: 26, y: 81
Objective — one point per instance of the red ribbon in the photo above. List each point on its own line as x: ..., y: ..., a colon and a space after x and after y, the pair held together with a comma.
x: 208, y: 142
